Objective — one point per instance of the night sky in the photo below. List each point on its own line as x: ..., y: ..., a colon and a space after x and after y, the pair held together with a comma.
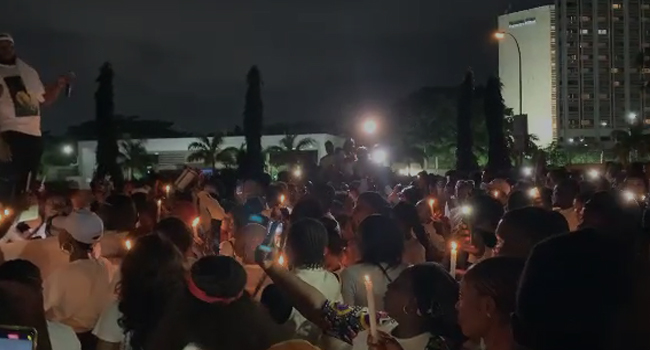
x: 186, y: 61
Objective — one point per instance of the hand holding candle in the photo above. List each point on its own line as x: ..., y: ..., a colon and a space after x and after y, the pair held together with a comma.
x: 453, y: 258
x: 372, y: 312
x: 195, y: 226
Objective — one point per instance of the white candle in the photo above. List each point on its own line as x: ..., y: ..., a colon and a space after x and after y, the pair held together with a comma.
x: 372, y: 312
x: 432, y: 202
x: 128, y: 244
x: 159, y: 203
x: 452, y: 259
x: 167, y: 189
x: 195, y: 226
x: 281, y: 260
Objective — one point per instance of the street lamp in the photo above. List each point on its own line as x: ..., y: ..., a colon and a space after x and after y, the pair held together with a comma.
x: 370, y: 126
x: 67, y: 150
x: 502, y: 36
x: 632, y: 116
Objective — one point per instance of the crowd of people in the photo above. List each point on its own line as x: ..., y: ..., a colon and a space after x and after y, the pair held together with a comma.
x: 438, y: 262
x: 345, y: 255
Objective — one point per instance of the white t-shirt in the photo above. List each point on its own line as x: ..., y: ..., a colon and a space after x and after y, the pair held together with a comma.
x: 62, y: 337
x: 77, y: 293
x: 419, y: 342
x: 353, y: 288
x: 107, y: 328
x: 21, y: 98
x: 414, y: 252
x: 326, y: 283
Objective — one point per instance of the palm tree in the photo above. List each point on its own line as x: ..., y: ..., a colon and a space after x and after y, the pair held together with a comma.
x: 207, y: 149
x: 631, y: 144
x: 133, y: 157
x: 289, y: 148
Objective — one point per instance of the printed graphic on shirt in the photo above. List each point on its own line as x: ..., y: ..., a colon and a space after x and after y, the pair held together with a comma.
x: 25, y: 105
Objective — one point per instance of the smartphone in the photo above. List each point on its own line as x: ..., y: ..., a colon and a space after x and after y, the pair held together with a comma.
x: 17, y: 338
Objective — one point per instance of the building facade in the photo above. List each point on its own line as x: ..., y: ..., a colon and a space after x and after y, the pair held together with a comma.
x: 593, y: 83
x: 601, y: 45
x: 534, y: 31
x: 172, y: 153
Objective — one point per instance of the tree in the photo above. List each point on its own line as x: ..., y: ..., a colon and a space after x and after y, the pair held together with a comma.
x: 208, y: 150
x: 289, y: 150
x: 494, y: 110
x: 107, y: 148
x: 134, y: 157
x: 465, y: 158
x: 253, y: 124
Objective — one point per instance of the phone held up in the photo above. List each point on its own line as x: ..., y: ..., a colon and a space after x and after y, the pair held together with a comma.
x: 17, y: 338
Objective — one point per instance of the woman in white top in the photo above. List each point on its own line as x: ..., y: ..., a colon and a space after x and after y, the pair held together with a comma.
x: 381, y: 246
x: 305, y: 250
x: 151, y: 274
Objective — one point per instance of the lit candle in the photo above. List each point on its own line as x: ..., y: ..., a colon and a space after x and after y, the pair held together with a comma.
x: 281, y: 260
x: 495, y: 194
x: 7, y: 212
x: 282, y: 198
x: 167, y: 189
x: 432, y: 202
x: 533, y: 193
x: 159, y: 203
x: 372, y: 313
x: 452, y: 259
x: 128, y: 244
x: 195, y: 226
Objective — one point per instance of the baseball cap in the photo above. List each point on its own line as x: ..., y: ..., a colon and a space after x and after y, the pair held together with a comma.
x: 6, y: 37
x: 83, y: 225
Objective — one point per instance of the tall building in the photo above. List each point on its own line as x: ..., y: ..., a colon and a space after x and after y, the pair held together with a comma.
x: 600, y: 75
x: 600, y: 60
x: 533, y: 31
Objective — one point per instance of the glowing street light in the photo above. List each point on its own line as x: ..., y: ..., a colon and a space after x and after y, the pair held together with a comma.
x: 67, y: 150
x: 632, y: 116
x: 594, y: 174
x: 297, y: 172
x: 527, y: 171
x: 379, y: 156
x: 370, y: 126
x: 499, y: 35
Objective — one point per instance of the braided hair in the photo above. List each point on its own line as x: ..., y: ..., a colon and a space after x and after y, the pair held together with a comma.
x: 307, y: 240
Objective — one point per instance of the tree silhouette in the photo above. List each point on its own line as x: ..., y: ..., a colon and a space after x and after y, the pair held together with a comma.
x: 253, y: 123
x: 465, y: 158
x: 208, y: 150
x: 289, y: 150
x: 494, y: 110
x: 134, y: 157
x: 631, y: 144
x: 107, y: 148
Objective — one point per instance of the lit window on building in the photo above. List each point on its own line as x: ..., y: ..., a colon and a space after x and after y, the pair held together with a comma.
x: 602, y: 31
x: 616, y: 6
x: 584, y: 31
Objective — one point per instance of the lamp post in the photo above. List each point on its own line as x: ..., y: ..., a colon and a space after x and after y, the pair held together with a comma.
x: 501, y: 36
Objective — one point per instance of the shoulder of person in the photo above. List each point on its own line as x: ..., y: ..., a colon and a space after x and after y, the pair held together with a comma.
x: 62, y: 336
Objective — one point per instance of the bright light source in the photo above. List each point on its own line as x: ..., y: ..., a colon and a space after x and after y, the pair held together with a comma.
x: 533, y: 192
x: 495, y: 194
x: 195, y: 222
x: 594, y: 174
x: 499, y: 35
x: 527, y: 171
x: 603, y: 123
x: 128, y: 244
x: 632, y: 116
x: 454, y: 246
x: 67, y: 150
x: 571, y: 140
x: 628, y: 195
x: 370, y: 126
x: 282, y: 198
x: 379, y: 156
x: 466, y: 209
x: 297, y: 172
x: 281, y: 260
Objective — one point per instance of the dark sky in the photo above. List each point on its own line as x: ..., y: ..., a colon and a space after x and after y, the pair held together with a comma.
x: 185, y: 61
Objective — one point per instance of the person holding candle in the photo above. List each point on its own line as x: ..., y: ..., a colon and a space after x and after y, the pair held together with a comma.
x: 381, y: 247
x: 487, y: 298
x: 420, y: 309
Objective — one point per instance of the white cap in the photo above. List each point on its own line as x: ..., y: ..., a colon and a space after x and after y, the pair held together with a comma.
x: 6, y: 37
x: 83, y: 225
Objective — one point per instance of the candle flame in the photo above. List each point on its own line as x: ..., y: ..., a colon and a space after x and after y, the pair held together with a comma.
x: 366, y: 278
x: 282, y: 199
x: 454, y: 246
x: 533, y: 192
x: 495, y: 194
x: 168, y: 188
x: 128, y: 244
x: 628, y: 195
x: 281, y: 260
x: 159, y: 202
x: 195, y: 222
x: 432, y: 202
x: 7, y: 212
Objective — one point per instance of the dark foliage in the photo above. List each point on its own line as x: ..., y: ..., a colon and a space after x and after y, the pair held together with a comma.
x: 465, y: 158
x: 107, y: 148
x: 494, y: 110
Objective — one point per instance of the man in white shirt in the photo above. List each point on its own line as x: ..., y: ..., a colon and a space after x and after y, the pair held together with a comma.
x: 21, y: 96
